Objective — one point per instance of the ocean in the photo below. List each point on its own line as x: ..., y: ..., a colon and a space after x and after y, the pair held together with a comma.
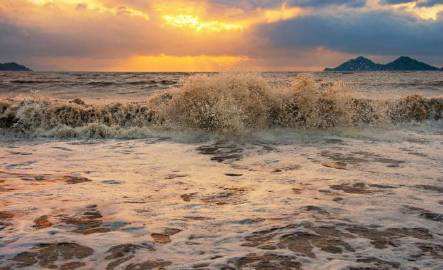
x: 221, y: 171
x: 136, y: 86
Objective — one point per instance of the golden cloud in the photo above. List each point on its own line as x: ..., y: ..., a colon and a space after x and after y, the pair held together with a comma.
x: 194, y: 15
x: 91, y: 5
x: 422, y: 12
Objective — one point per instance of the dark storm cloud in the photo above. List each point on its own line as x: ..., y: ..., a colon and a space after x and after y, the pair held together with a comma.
x: 20, y: 41
x: 374, y: 32
x: 321, y: 3
x: 396, y: 2
x: 419, y: 3
x: 429, y: 3
x: 301, y: 3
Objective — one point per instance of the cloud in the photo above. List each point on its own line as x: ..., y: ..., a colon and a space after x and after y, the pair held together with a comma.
x: 293, y: 34
x: 366, y: 32
x: 322, y: 3
x: 418, y: 3
x: 396, y: 2
x: 302, y: 3
x: 429, y: 3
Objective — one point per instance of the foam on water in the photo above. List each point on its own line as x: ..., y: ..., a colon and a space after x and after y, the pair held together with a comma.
x: 224, y: 103
x: 227, y: 171
x: 327, y: 201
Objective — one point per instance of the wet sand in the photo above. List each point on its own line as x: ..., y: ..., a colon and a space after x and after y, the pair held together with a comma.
x: 329, y: 203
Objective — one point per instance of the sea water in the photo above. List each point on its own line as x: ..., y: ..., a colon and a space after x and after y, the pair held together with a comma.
x: 118, y: 171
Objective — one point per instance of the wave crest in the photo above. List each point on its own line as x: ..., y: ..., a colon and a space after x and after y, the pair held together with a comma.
x: 227, y: 103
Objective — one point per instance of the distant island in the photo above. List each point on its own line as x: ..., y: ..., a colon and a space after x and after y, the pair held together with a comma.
x: 13, y: 67
x: 402, y: 63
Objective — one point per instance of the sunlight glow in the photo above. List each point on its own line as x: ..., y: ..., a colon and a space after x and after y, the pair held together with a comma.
x: 429, y: 13
x: 424, y: 13
x: 197, y: 16
x: 281, y: 14
x: 195, y: 23
x: 170, y: 63
x: 194, y: 16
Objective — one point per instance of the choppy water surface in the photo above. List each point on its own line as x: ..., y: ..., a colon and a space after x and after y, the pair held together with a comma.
x: 354, y: 197
x: 136, y: 86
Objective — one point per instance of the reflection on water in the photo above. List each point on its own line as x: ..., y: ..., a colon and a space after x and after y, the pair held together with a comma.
x: 279, y: 200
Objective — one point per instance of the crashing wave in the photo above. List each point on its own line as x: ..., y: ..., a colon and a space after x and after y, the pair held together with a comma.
x: 226, y: 103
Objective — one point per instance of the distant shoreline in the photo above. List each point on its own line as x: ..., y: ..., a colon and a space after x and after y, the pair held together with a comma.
x: 359, y: 64
x: 363, y: 64
x: 215, y: 72
x: 13, y: 67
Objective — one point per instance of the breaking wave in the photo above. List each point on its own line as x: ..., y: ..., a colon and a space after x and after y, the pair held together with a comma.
x: 224, y: 103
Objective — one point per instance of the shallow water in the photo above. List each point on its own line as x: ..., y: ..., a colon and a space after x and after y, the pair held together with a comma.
x: 359, y: 197
x: 316, y: 201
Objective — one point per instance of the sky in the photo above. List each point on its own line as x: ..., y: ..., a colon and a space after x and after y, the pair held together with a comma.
x: 216, y: 35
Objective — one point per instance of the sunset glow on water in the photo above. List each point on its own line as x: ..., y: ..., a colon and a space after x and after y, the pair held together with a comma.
x: 221, y: 135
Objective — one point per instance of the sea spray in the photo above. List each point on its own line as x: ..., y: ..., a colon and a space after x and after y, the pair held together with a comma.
x: 225, y: 103
x: 222, y: 103
x: 242, y: 102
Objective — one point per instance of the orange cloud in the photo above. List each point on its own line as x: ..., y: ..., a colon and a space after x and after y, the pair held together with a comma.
x: 92, y: 5
x: 194, y: 15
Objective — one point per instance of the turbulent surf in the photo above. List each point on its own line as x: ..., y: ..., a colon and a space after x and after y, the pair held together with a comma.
x: 224, y: 103
x: 221, y: 171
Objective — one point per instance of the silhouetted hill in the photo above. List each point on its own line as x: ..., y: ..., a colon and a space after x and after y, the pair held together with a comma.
x: 13, y: 67
x: 358, y: 64
x: 402, y: 63
x: 407, y: 63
